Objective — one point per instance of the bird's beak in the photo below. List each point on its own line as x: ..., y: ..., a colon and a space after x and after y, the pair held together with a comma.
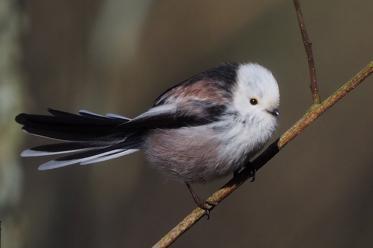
x: 274, y: 112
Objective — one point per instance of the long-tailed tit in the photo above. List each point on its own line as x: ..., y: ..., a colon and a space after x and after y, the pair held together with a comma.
x: 201, y: 129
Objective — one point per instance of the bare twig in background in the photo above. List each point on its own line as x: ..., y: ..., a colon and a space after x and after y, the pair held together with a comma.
x: 310, y: 116
x: 308, y: 47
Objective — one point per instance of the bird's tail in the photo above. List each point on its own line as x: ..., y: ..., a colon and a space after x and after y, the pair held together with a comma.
x: 86, y: 137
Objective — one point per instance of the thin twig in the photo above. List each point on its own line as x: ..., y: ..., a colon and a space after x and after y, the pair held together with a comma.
x: 265, y: 156
x: 308, y: 47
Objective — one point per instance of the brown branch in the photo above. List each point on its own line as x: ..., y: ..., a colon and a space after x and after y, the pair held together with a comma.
x: 308, y: 47
x: 310, y: 116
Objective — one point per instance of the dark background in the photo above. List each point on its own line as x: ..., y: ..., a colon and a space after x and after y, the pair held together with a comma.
x: 117, y: 56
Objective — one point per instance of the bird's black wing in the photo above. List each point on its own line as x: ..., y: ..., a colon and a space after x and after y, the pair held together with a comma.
x: 198, y: 100
x: 169, y: 116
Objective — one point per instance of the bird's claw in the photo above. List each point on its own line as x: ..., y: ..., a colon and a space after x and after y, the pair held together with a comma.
x: 207, y: 206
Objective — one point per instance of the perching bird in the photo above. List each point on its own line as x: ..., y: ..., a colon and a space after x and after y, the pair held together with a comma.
x: 201, y: 129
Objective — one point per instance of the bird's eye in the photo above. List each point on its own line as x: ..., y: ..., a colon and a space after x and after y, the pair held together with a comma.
x: 253, y: 101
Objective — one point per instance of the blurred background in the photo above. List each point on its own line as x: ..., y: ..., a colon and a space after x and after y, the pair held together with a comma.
x: 117, y: 56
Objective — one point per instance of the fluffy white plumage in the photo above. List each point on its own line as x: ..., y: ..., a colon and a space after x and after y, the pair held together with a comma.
x: 203, y: 153
x: 255, y: 124
x: 255, y: 81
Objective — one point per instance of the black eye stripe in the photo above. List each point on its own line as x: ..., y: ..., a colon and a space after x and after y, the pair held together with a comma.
x: 253, y: 101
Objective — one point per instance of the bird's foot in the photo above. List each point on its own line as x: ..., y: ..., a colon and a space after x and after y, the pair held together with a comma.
x: 207, y: 206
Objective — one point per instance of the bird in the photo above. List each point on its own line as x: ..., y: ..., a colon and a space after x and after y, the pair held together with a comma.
x: 200, y: 129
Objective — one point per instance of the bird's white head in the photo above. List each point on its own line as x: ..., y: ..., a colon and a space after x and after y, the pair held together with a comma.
x: 256, y: 96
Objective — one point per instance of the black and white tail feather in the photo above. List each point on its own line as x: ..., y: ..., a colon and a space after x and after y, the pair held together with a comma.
x: 87, y: 138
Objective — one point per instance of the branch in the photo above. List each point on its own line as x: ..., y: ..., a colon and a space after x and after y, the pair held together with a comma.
x: 308, y: 47
x: 310, y: 116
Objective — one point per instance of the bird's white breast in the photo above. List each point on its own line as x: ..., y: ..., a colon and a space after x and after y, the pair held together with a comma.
x: 244, y: 137
x: 203, y: 153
